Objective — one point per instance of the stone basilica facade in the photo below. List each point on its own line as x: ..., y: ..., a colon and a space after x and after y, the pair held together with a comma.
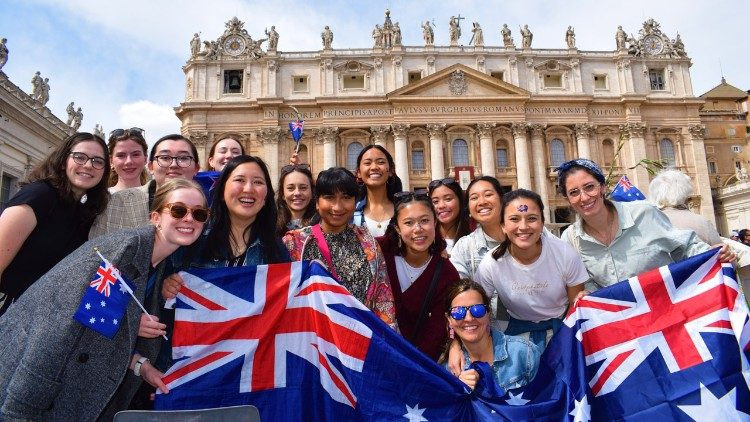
x: 511, y: 111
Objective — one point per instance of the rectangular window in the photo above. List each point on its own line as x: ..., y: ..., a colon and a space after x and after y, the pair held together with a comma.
x: 600, y: 82
x: 233, y: 81
x: 656, y: 78
x: 415, y: 76
x: 502, y: 157
x: 497, y: 75
x: 417, y: 159
x: 354, y: 82
x: 709, y: 149
x: 553, y: 81
x: 300, y: 84
x: 731, y: 131
x: 736, y: 149
x: 712, y: 167
x: 7, y: 188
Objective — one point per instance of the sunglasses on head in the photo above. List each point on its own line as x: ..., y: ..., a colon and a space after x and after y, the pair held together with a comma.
x: 477, y: 311
x: 408, y: 195
x: 133, y: 130
x: 291, y: 167
x: 447, y: 181
x: 179, y: 210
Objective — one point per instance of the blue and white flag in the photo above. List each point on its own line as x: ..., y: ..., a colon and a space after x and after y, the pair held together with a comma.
x: 207, y: 180
x: 625, y: 191
x: 104, y: 302
x: 296, y: 127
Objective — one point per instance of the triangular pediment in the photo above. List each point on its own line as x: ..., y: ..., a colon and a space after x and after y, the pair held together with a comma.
x: 458, y: 81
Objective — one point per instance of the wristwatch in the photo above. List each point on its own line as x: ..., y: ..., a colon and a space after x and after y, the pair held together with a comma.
x: 137, y: 368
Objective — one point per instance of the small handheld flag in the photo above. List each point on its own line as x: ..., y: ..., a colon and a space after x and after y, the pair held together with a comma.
x: 296, y: 127
x: 626, y: 192
x: 104, y: 302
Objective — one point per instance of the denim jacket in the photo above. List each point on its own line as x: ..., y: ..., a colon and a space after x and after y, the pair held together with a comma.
x: 514, y: 361
x: 469, y: 250
x: 253, y: 255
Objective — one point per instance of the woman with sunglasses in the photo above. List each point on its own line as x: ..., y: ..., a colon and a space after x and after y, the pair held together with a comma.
x: 513, y: 360
x: 127, y: 156
x: 452, y: 213
x: 348, y: 251
x: 52, y: 213
x: 618, y: 240
x: 535, y: 274
x: 419, y: 275
x: 54, y: 368
x: 376, y: 171
x: 223, y: 150
x: 483, y: 197
x: 294, y: 203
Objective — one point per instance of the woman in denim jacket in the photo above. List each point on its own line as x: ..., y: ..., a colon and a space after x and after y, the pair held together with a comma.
x: 514, y: 361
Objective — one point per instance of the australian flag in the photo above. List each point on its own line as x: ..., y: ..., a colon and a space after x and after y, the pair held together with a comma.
x: 625, y: 191
x: 207, y: 180
x: 104, y: 302
x: 296, y: 127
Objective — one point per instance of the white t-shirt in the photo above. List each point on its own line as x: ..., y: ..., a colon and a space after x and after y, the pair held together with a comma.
x: 534, y: 292
x: 406, y: 273
x: 449, y: 244
x: 376, y: 228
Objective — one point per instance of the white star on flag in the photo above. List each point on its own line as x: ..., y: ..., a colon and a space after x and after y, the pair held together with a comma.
x: 516, y: 400
x: 582, y: 410
x: 103, y: 303
x: 102, y: 320
x: 88, y: 306
x: 414, y: 414
x: 123, y: 288
x: 92, y: 320
x: 712, y: 408
x: 114, y: 321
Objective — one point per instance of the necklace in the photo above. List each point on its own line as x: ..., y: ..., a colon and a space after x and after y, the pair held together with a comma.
x: 414, y: 272
x: 608, y: 235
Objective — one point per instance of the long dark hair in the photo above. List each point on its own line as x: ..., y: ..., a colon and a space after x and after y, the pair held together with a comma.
x: 393, y: 185
x: 282, y: 209
x: 507, y: 198
x: 438, y: 245
x: 463, y: 224
x: 495, y: 185
x: 52, y: 170
x: 464, y: 285
x: 218, y: 243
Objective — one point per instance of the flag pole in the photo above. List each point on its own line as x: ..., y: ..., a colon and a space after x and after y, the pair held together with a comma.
x: 129, y: 290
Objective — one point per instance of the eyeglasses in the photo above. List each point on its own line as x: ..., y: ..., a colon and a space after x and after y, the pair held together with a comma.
x: 291, y: 167
x: 590, y: 189
x: 166, y: 160
x: 81, y: 159
x: 179, y: 210
x: 477, y: 311
x: 447, y: 181
x: 408, y: 196
x: 120, y: 132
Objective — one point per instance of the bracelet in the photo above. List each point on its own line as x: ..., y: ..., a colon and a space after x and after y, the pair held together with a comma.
x: 137, y: 367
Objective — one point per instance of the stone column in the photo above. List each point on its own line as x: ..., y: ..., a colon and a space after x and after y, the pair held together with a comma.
x: 327, y: 136
x: 269, y: 136
x: 437, y: 161
x: 401, y: 156
x: 273, y: 67
x: 523, y: 175
x: 486, y: 150
x: 582, y: 137
x: 379, y: 134
x: 636, y: 151
x: 697, y: 150
x: 326, y: 74
x: 540, y: 165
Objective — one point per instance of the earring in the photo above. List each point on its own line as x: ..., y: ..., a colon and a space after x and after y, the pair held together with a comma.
x: 451, y: 334
x: 158, y: 227
x: 399, y: 242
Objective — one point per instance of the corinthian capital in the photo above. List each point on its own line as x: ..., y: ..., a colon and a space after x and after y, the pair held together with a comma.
x: 583, y: 130
x: 520, y: 129
x: 537, y: 129
x: 400, y: 129
x: 198, y: 138
x: 485, y: 129
x: 437, y: 130
x: 325, y: 134
x: 633, y: 130
x: 270, y: 135
x: 697, y: 131
x: 379, y: 133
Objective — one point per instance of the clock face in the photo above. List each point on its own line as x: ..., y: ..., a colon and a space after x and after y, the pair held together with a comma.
x: 653, y: 45
x: 234, y: 45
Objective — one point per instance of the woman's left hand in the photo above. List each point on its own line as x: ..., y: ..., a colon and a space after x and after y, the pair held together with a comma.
x: 580, y: 294
x: 153, y: 376
x: 726, y: 254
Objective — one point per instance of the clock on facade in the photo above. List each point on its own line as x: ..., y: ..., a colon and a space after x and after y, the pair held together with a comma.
x: 234, y: 45
x: 653, y: 45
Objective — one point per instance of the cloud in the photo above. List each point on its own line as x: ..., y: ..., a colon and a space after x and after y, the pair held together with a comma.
x: 157, y: 119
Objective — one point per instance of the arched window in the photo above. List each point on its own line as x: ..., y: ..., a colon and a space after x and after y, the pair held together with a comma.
x: 460, y: 153
x: 556, y: 152
x: 666, y: 150
x: 501, y: 154
x: 303, y: 155
x: 417, y: 156
x: 608, y: 150
x: 352, y: 151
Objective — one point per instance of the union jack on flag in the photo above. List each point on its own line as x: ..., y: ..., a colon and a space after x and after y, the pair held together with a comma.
x: 296, y: 127
x: 625, y: 191
x: 106, y: 276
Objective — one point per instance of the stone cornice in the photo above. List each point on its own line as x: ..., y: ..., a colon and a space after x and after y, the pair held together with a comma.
x: 33, y: 105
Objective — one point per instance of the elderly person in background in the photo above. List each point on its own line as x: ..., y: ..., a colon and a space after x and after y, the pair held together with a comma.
x: 669, y: 191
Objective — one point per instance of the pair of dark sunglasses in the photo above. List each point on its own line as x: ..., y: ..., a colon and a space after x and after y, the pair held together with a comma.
x: 447, y: 181
x: 179, y: 210
x: 477, y: 311
x: 133, y: 130
x: 291, y: 167
x: 408, y: 196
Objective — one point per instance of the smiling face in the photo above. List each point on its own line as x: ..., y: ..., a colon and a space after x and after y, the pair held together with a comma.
x: 584, y: 193
x: 416, y: 226
x: 522, y: 223
x: 297, y: 192
x: 179, y: 232
x: 245, y: 193
x: 469, y: 329
x: 128, y: 160
x: 484, y: 203
x: 173, y: 148
x: 224, y: 150
x: 446, y: 205
x: 83, y: 177
x: 335, y: 211
x: 373, y: 168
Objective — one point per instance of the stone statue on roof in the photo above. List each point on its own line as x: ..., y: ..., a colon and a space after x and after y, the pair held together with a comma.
x: 507, y: 38
x: 71, y: 113
x: 620, y: 38
x: 327, y: 37
x: 570, y: 37
x: 526, y: 36
x: 477, y: 38
x: 44, y: 92
x: 427, y: 33
x: 77, y: 119
x: 195, y: 45
x: 273, y: 38
x: 3, y: 52
x: 455, y: 29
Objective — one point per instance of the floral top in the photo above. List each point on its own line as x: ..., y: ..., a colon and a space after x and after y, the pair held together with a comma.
x: 353, y: 265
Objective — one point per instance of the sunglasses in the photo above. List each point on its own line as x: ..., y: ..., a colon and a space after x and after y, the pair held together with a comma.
x: 477, y: 311
x: 133, y: 130
x: 291, y: 167
x: 179, y: 210
x: 408, y: 196
x: 447, y: 181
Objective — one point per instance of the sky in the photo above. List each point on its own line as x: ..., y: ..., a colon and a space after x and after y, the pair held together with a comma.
x: 121, y: 61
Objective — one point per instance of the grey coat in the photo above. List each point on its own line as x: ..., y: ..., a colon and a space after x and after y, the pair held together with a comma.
x: 51, y: 366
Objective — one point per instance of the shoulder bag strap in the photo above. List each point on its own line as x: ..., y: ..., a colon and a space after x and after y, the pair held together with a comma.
x: 323, y: 246
x: 427, y: 302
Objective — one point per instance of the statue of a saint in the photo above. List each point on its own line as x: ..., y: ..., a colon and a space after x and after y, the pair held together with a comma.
x: 455, y: 29
x: 3, y: 52
x: 477, y: 37
x: 99, y: 130
x: 679, y: 47
x: 254, y: 49
x: 507, y: 38
x: 273, y: 38
x: 377, y: 37
x: 44, y: 91
x: 327, y: 37
x: 195, y: 45
x: 526, y: 36
x: 36, y: 85
x: 427, y: 33
x: 77, y: 119
x: 570, y: 37
x: 397, y: 34
x: 620, y: 38
x: 71, y: 113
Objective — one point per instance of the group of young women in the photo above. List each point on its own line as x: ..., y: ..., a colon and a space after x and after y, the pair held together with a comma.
x: 411, y: 257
